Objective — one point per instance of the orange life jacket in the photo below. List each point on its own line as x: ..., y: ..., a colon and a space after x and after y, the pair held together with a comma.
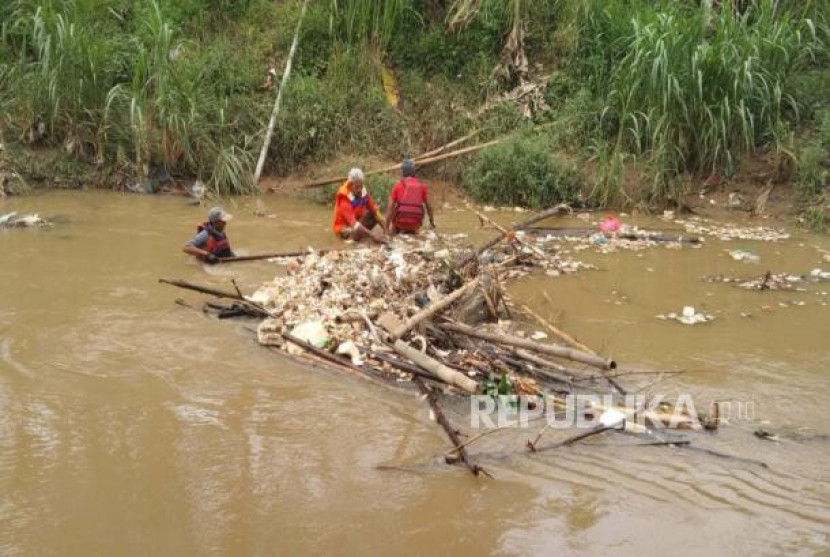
x: 217, y: 242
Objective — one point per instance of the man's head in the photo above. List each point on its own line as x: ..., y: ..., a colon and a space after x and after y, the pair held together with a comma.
x: 356, y: 180
x: 408, y: 168
x: 217, y: 217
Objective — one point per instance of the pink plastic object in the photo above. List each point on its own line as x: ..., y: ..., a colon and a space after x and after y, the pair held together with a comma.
x: 609, y: 225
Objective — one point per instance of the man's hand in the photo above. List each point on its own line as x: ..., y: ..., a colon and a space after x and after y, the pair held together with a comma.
x: 210, y: 258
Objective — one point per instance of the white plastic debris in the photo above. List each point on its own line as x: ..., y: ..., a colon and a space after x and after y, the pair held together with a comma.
x: 742, y: 255
x: 313, y: 332
x: 350, y: 349
x: 612, y: 418
x: 820, y: 274
x: 688, y: 316
x: 539, y: 335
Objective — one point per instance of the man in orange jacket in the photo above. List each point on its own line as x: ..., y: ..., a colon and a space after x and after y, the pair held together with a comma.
x: 355, y: 212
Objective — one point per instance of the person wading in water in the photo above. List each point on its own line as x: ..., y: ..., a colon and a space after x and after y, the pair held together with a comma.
x: 355, y: 212
x: 408, y: 202
x: 210, y: 243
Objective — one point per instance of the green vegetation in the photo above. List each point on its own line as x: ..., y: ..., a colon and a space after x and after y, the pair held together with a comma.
x: 546, y: 179
x: 664, y: 90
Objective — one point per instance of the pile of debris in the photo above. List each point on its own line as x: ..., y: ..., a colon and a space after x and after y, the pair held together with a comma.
x: 431, y: 313
x: 13, y: 220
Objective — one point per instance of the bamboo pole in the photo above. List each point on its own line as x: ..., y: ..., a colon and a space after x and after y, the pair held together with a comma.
x: 433, y: 308
x: 270, y: 133
x: 519, y: 226
x: 444, y: 373
x: 518, y: 342
x: 556, y: 331
x: 443, y: 148
x: 505, y: 232
x: 421, y: 162
x: 260, y: 257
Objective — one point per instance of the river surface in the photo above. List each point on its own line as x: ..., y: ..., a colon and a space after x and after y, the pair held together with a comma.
x: 130, y: 425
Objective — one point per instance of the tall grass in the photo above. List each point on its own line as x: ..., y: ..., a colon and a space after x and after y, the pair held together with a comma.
x: 694, y: 88
x: 369, y: 20
x: 111, y: 80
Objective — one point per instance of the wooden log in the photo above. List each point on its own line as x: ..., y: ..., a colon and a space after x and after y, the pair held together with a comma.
x: 451, y: 432
x: 253, y: 308
x: 447, y: 375
x: 433, y: 308
x: 202, y: 289
x: 518, y: 342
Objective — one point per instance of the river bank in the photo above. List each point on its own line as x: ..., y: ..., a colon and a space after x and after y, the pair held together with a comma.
x: 181, y: 435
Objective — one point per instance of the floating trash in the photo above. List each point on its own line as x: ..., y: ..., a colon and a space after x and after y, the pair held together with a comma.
x: 742, y: 255
x: 688, y: 316
x: 728, y: 233
x: 13, y: 220
x: 820, y: 275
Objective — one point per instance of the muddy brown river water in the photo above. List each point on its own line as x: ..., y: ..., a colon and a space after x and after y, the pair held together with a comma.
x: 132, y: 426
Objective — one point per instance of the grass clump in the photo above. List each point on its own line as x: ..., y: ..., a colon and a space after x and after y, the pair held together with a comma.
x: 522, y: 171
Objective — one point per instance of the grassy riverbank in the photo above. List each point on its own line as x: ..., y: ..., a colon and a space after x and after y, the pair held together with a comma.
x: 642, y: 101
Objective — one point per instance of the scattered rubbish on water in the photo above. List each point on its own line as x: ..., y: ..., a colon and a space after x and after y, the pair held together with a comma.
x: 732, y: 232
x: 820, y: 275
x: 14, y: 220
x: 688, y: 316
x: 742, y: 255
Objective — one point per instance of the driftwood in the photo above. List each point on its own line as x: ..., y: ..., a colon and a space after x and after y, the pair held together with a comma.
x: 481, y: 304
x: 433, y: 308
x: 446, y: 374
x: 202, y: 289
x: 451, y: 432
x: 519, y: 226
x: 549, y: 349
x: 505, y: 232
x: 252, y: 308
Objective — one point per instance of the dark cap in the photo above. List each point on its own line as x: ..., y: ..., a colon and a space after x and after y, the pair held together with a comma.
x: 408, y: 168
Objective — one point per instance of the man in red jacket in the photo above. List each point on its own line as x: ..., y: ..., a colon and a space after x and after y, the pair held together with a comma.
x: 408, y: 202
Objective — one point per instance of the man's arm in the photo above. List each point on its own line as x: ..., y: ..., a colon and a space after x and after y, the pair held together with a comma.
x: 429, y: 212
x: 196, y: 245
